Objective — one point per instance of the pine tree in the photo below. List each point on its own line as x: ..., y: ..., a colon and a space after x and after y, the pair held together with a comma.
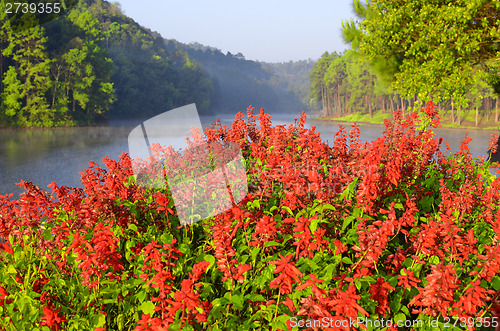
x: 28, y: 79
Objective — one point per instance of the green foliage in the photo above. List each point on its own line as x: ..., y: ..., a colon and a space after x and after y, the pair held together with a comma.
x: 363, y: 79
x: 89, y: 65
x: 26, y: 83
x: 151, y: 75
x: 347, y: 83
x: 431, y: 49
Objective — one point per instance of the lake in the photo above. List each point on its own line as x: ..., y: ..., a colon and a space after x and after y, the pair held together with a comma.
x: 60, y: 154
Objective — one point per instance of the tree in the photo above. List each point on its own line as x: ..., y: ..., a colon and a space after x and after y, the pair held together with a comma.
x: 27, y: 81
x: 317, y: 77
x: 432, y: 48
x: 88, y: 68
x: 360, y: 82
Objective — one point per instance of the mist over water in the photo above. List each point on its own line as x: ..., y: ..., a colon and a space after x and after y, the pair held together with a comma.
x: 41, y: 156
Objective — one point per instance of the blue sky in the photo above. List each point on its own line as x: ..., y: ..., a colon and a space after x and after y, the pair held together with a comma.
x: 264, y: 30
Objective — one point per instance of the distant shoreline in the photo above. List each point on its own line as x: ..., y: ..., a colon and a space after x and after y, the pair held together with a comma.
x: 443, y: 123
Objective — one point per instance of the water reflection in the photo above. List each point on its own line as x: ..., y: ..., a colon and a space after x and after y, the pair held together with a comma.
x: 45, y: 155
x: 60, y: 154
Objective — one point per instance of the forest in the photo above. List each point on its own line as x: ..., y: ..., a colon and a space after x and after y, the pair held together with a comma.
x: 95, y: 63
x: 346, y: 83
x: 87, y: 65
x: 400, y: 58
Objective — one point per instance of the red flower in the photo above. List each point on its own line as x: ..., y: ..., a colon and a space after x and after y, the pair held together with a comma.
x: 287, y: 271
x: 52, y: 318
x: 493, y: 143
x: 379, y: 292
x: 7, y: 247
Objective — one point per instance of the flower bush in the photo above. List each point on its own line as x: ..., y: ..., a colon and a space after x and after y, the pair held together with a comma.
x: 395, y: 229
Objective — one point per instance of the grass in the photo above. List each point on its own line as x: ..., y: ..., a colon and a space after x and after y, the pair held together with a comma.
x: 468, y: 119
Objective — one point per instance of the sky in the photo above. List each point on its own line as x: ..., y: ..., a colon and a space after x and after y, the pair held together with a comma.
x: 262, y: 30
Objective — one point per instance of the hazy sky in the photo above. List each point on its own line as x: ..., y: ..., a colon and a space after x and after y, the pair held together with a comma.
x: 264, y: 30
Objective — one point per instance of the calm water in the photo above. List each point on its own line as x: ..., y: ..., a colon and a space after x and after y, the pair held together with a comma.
x: 60, y: 154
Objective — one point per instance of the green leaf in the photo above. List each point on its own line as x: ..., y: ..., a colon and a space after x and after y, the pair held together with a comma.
x: 47, y: 235
x: 281, y: 322
x: 495, y: 282
x: 141, y: 296
x: 210, y: 259
x: 286, y: 208
x: 237, y: 301
x: 399, y: 317
x: 348, y: 220
x: 328, y: 207
x: 119, y: 321
x: 166, y: 238
x: 11, y: 269
x: 147, y: 307
x: 255, y: 297
x: 328, y: 271
x: 286, y: 238
x: 271, y: 243
x: 396, y: 301
x: 313, y: 225
x: 255, y: 252
x: 434, y: 260
x: 99, y: 321
x: 349, y: 191
x: 346, y: 260
x: 407, y: 263
x: 256, y: 204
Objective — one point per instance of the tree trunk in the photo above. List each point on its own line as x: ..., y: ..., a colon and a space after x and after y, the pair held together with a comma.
x: 487, y: 103
x: 338, y: 98
x: 55, y: 86
x: 496, y: 111
x: 325, y: 112
x: 452, y: 112
x: 345, y: 103
x: 477, y: 115
x: 402, y: 106
x: 369, y: 106
x: 335, y: 108
x: 328, y: 103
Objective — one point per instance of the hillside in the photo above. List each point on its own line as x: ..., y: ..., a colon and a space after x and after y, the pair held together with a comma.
x: 149, y: 78
x: 89, y: 65
x: 277, y: 87
x: 96, y: 63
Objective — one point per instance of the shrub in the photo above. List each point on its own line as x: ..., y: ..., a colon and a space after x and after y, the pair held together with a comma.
x: 394, y: 229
